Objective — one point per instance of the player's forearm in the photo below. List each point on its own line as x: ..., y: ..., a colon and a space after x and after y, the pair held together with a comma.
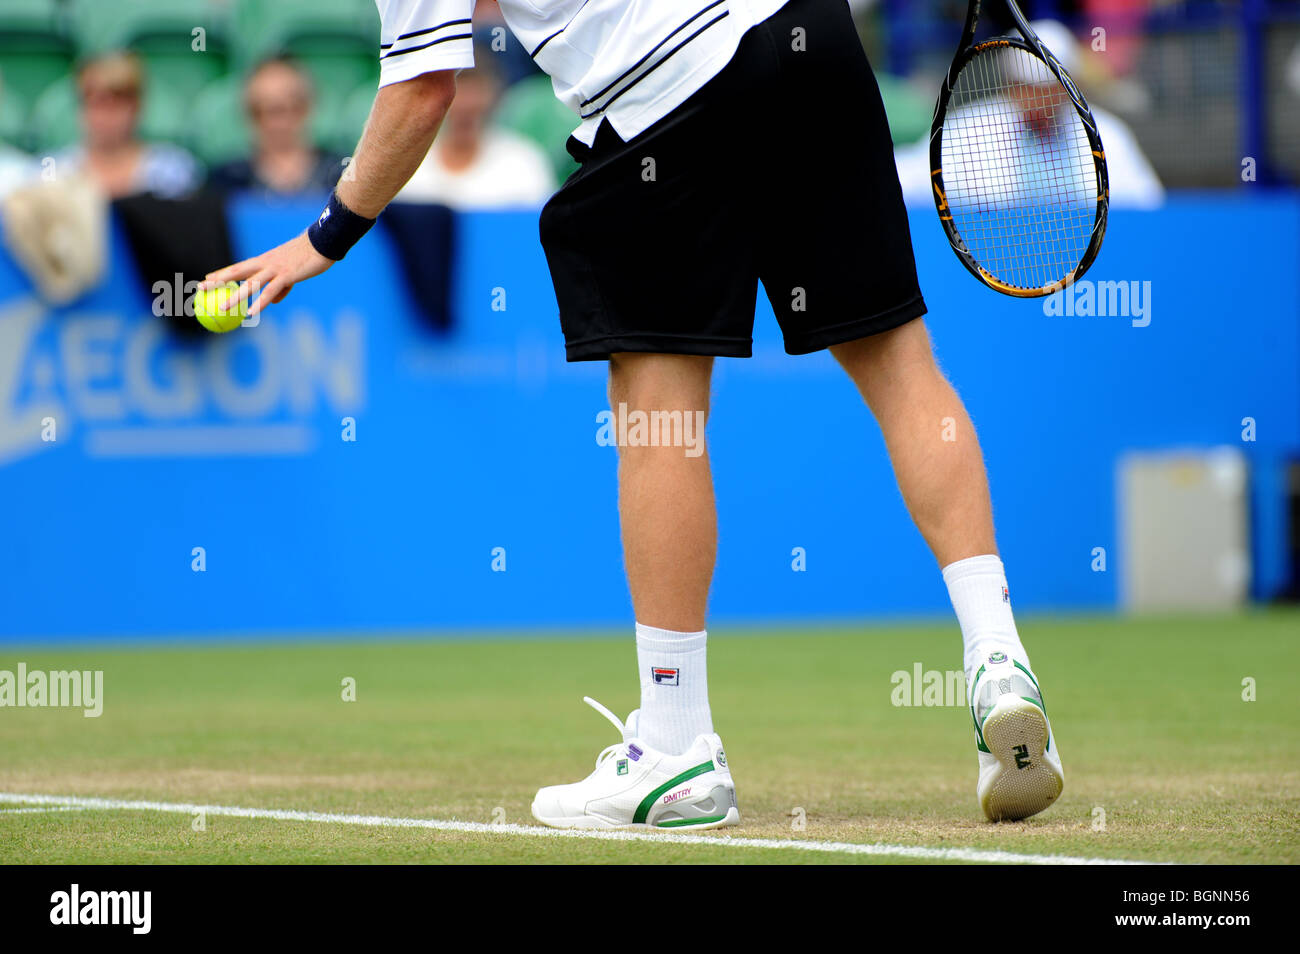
x: 401, y: 128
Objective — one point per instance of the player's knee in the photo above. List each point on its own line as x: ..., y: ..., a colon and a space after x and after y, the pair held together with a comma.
x: 660, y: 381
x: 907, y: 346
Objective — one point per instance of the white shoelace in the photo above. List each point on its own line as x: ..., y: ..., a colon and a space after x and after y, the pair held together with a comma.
x: 609, y: 750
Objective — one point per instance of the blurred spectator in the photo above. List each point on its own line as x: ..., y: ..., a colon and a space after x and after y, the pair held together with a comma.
x: 16, y: 167
x: 278, y: 98
x: 111, y: 154
x: 1133, y: 181
x: 1123, y: 21
x: 474, y: 165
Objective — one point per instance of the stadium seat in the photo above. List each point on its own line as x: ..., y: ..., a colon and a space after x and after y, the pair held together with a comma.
x: 99, y: 25
x: 13, y: 122
x: 167, y: 114
x: 162, y: 33
x: 29, y: 15
x: 224, y: 133
x: 338, y: 34
x: 267, y: 24
x: 344, y: 128
x: 54, y: 122
x: 530, y: 109
x: 34, y: 52
x: 910, y: 112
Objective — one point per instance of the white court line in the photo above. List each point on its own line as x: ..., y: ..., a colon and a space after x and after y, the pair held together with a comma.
x: 41, y: 811
x: 978, y: 855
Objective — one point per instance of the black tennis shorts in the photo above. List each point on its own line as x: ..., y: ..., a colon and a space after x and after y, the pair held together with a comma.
x: 780, y: 169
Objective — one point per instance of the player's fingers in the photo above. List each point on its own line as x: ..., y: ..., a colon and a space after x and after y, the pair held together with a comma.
x: 248, y: 290
x: 231, y: 273
x: 273, y: 292
x: 284, y: 294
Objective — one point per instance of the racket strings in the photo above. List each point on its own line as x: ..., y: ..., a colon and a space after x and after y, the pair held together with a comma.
x: 1018, y: 169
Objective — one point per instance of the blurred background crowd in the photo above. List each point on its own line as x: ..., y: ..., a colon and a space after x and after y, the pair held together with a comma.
x: 1202, y: 85
x: 143, y: 96
x: 267, y: 96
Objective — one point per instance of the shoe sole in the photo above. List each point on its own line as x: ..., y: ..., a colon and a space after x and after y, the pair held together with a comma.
x: 1016, y: 733
x: 596, y: 823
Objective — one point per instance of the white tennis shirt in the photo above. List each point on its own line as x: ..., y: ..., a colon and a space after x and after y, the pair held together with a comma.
x: 628, y: 61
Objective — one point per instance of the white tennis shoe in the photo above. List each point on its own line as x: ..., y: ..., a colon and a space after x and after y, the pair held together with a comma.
x: 1020, y: 767
x: 635, y: 786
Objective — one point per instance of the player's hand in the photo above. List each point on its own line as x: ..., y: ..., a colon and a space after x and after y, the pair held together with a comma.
x: 273, y: 273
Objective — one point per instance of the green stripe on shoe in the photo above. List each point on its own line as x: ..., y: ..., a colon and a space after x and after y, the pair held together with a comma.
x: 1016, y: 663
x: 643, y: 809
x: 1041, y: 702
x: 979, y: 733
x: 979, y: 726
x: 682, y: 822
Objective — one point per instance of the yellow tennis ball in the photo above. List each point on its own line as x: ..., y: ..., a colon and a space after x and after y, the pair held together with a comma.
x: 210, y: 308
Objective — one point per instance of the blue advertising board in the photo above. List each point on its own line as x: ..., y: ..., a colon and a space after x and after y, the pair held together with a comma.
x: 343, y: 468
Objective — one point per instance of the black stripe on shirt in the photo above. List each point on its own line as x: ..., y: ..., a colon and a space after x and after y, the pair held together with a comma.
x: 440, y: 26
x: 653, y: 50
x: 559, y: 31
x: 547, y: 40
x: 595, y: 112
x: 425, y: 46
x: 434, y: 29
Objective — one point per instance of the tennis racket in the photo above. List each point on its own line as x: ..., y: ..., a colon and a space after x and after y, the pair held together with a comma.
x: 1019, y: 172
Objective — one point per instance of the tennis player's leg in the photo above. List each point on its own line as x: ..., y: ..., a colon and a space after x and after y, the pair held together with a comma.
x: 668, y: 520
x: 656, y: 274
x: 940, y: 471
x: 665, y: 497
x: 670, y: 770
x: 931, y: 440
x: 837, y: 265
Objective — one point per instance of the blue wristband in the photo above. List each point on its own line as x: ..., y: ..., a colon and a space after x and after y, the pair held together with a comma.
x: 337, y: 229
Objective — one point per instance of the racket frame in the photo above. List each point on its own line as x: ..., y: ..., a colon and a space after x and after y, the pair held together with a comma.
x: 1029, y: 42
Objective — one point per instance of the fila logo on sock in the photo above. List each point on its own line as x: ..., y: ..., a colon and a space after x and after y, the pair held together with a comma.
x: 664, y: 677
x: 1006, y: 595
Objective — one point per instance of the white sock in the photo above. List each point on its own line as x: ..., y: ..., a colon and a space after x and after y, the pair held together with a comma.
x: 674, y: 688
x: 977, y: 587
